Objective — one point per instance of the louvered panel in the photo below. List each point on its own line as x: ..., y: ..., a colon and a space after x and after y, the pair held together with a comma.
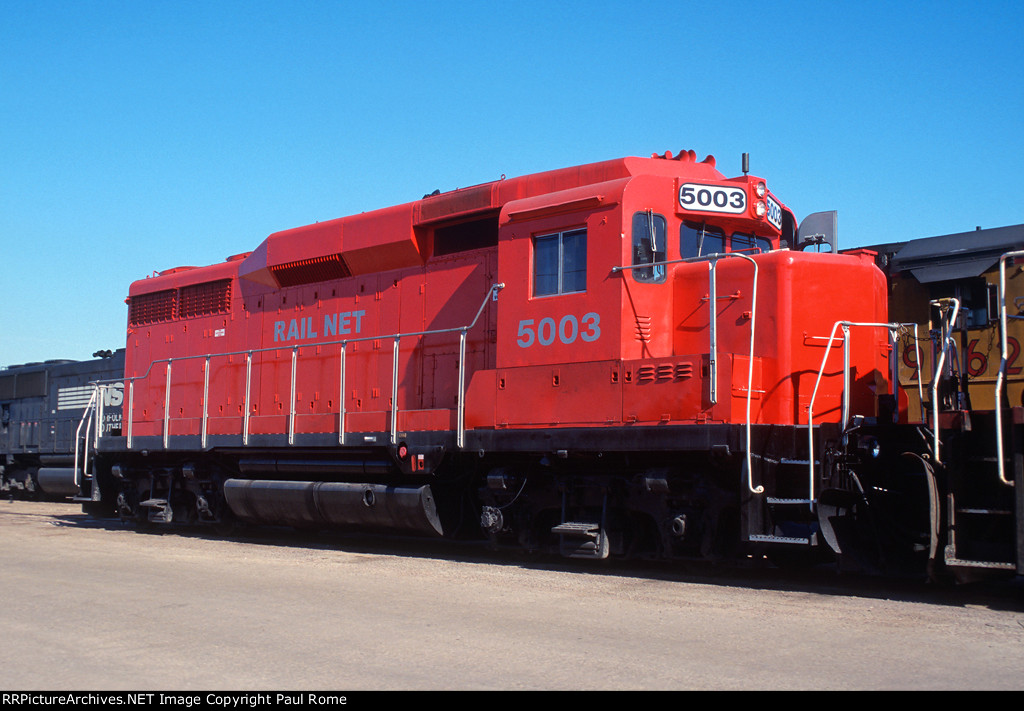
x: 213, y: 297
x: 307, y: 271
x: 152, y: 308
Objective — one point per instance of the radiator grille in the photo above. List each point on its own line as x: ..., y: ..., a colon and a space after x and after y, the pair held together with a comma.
x: 153, y: 308
x: 213, y: 297
x: 192, y: 301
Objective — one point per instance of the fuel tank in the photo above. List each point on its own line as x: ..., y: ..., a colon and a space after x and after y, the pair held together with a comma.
x: 334, y: 504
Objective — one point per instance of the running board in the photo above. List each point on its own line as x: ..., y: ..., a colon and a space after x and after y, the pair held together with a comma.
x: 986, y: 564
x: 759, y: 538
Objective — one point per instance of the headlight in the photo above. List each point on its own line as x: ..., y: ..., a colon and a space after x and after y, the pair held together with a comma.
x: 870, y: 447
x: 760, y: 209
x: 761, y: 190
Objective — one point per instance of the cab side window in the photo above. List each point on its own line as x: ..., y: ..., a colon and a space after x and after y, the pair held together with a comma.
x: 649, y: 240
x: 560, y: 263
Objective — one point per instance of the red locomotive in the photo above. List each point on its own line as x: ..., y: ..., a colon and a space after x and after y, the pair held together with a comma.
x: 627, y: 357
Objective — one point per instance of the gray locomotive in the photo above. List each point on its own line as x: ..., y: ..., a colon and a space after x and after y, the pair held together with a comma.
x: 41, y: 421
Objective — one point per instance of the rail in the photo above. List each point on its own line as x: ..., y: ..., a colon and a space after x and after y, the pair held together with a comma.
x: 893, y: 328
x: 492, y: 294
x: 85, y: 421
x: 93, y: 413
x: 712, y: 260
x: 947, y: 342
x: 1003, y: 361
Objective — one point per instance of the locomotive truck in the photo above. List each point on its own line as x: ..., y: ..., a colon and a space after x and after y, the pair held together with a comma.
x: 630, y: 357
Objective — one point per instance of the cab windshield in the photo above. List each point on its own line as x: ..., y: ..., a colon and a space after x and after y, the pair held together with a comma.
x: 698, y: 239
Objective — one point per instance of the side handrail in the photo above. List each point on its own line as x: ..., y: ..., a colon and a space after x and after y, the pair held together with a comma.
x: 712, y: 260
x: 85, y: 421
x: 1003, y: 362
x: 492, y: 294
x: 845, y: 325
x: 947, y: 341
x: 91, y: 415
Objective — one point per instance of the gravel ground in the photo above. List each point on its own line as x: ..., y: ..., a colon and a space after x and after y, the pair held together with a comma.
x: 95, y: 605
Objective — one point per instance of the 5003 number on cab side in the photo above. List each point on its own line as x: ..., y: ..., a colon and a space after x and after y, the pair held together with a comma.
x: 566, y: 330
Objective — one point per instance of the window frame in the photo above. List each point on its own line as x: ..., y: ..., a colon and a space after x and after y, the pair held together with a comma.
x: 649, y: 274
x: 747, y: 243
x: 715, y: 231
x: 559, y: 237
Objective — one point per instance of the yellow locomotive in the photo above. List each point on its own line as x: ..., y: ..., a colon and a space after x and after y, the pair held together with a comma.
x: 929, y: 278
x: 957, y: 425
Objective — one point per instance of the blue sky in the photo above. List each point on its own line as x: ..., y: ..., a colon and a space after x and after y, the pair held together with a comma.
x: 139, y: 136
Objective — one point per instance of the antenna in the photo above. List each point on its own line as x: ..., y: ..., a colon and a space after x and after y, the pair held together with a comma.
x: 746, y: 163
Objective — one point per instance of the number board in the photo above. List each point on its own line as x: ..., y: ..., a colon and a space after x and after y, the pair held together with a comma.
x: 774, y: 213
x: 713, y: 198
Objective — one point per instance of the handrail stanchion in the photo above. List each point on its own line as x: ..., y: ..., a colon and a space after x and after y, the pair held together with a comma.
x: 86, y: 417
x: 248, y: 388
x: 461, y: 407
x: 845, y: 412
x: 131, y: 402
x: 947, y: 340
x: 85, y: 463
x: 394, y: 392
x: 101, y: 396
x: 1003, y: 361
x: 713, y: 331
x: 291, y: 406
x: 341, y: 396
x: 167, y: 405
x: 206, y: 398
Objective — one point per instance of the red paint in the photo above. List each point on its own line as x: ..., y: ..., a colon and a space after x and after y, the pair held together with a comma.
x: 620, y: 353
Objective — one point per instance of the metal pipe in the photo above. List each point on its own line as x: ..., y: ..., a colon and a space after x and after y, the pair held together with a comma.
x: 713, y: 263
x: 131, y: 400
x: 341, y: 397
x: 461, y: 407
x: 814, y: 393
x: 845, y: 412
x: 206, y: 398
x: 712, y: 260
x: 1003, y: 361
x: 394, y: 393
x: 167, y: 405
x: 947, y: 340
x: 291, y: 407
x: 100, y: 393
x: 78, y: 432
x: 85, y: 462
x: 713, y: 331
x: 248, y: 387
x: 894, y: 369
